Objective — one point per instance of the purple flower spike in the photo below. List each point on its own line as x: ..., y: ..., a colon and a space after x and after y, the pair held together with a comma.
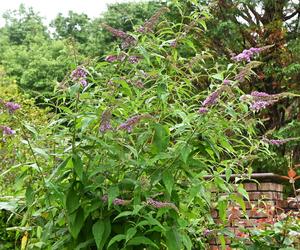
x: 128, y: 40
x: 111, y: 58
x: 211, y: 99
x: 12, y: 107
x: 159, y: 204
x: 277, y: 142
x: 150, y: 24
x: 246, y: 55
x: 131, y: 122
x: 203, y: 110
x: 7, y: 130
x: 105, y: 121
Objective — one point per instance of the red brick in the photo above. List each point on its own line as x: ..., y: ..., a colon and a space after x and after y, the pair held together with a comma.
x: 254, y: 196
x: 269, y: 186
x: 250, y: 186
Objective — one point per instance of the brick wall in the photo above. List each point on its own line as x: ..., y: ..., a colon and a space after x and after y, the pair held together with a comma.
x: 266, y: 201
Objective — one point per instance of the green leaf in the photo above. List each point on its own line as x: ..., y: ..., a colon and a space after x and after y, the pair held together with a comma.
x: 168, y: 181
x: 113, y: 193
x: 222, y: 207
x: 173, y: 240
x: 76, y: 221
x: 29, y: 195
x: 101, y: 231
x: 72, y: 201
x: 130, y: 233
x: 141, y: 240
x: 41, y: 152
x: 123, y: 214
x: 218, y: 76
x: 115, y: 239
x: 161, y: 138
x: 78, y: 165
x: 243, y: 192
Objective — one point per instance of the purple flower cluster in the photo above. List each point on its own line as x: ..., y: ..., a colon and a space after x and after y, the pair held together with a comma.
x: 128, y: 40
x: 209, y: 101
x: 80, y: 75
x: 131, y: 122
x: 276, y: 142
x: 259, y: 100
x: 149, y: 24
x: 7, y: 130
x: 116, y: 202
x: 159, y: 204
x: 247, y: 54
x: 105, y: 121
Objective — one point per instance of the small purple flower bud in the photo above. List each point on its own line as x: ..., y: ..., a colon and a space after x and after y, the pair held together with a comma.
x: 111, y: 58
x: 12, y: 107
x: 133, y: 59
x: 226, y: 82
x: 7, y: 130
x: 203, y: 110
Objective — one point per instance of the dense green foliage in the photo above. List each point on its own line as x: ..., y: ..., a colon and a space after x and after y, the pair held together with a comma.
x: 140, y: 120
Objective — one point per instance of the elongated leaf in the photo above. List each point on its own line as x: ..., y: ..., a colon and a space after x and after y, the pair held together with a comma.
x: 101, y: 231
x: 115, y: 239
x: 78, y: 166
x: 161, y: 138
x: 72, y: 201
x: 173, y: 240
x: 76, y: 221
x: 113, y: 193
x: 168, y: 181
x: 130, y: 233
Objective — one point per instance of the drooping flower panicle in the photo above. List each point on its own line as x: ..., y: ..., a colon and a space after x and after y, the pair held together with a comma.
x: 211, y: 99
x: 131, y: 122
x: 105, y: 121
x: 149, y: 25
x: 247, y: 54
x: 158, y: 204
x: 260, y: 100
x: 277, y: 142
x: 127, y: 40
